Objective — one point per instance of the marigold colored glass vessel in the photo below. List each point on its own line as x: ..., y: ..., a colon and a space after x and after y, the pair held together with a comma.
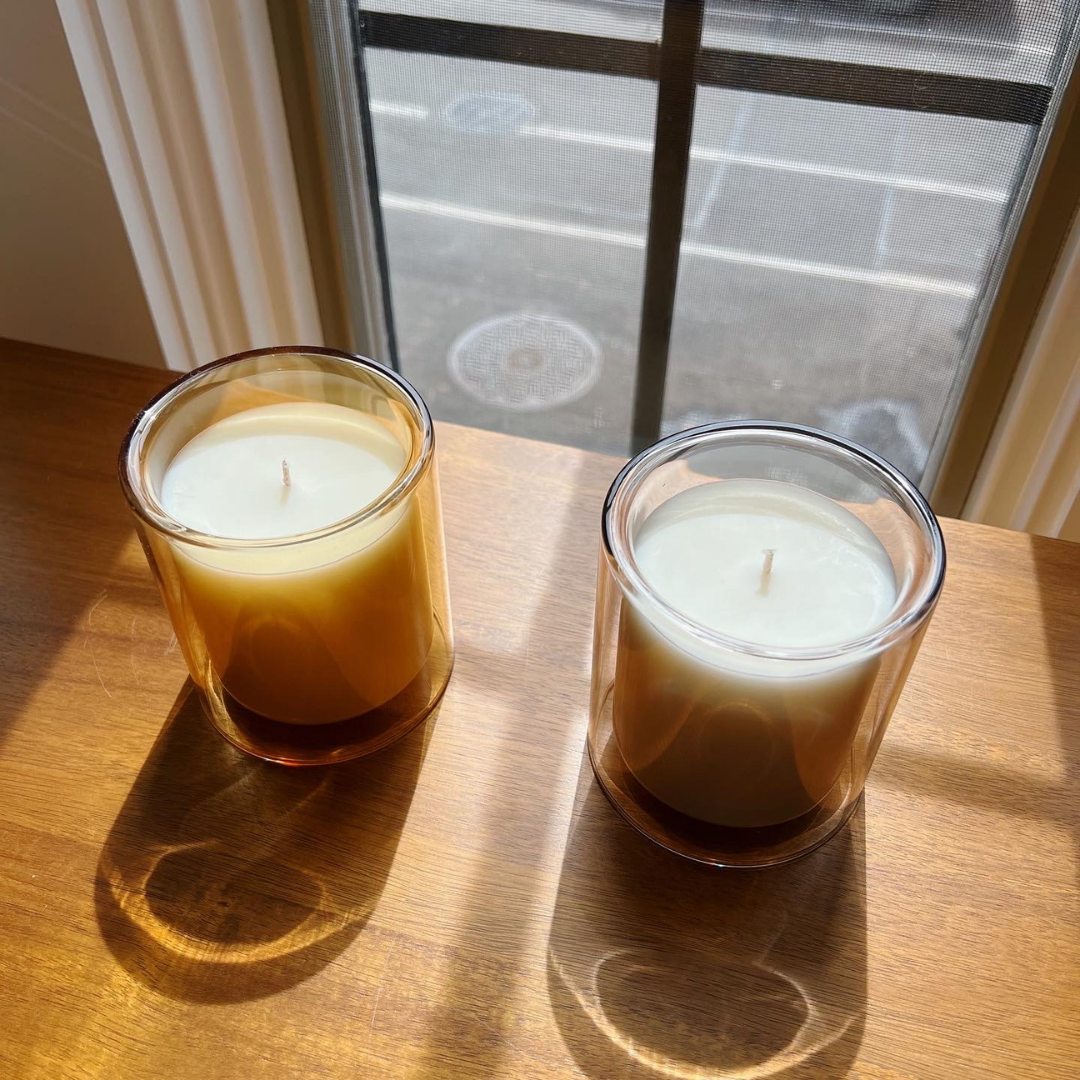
x: 287, y: 500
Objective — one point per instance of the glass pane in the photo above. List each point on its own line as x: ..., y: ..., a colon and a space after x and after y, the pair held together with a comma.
x: 632, y: 19
x: 515, y: 203
x: 833, y: 260
x: 838, y: 259
x: 1000, y: 39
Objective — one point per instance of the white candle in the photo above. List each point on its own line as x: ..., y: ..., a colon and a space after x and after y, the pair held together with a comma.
x: 315, y: 631
x: 724, y: 735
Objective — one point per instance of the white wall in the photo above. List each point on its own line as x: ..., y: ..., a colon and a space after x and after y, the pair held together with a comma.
x: 67, y: 276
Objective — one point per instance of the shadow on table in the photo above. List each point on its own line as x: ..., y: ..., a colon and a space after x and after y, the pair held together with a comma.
x: 225, y: 878
x: 660, y: 967
x: 1059, y: 596
x: 523, y: 647
x: 63, y: 520
x: 961, y: 779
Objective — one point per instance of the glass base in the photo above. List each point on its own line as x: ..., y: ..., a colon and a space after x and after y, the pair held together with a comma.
x: 324, y: 744
x: 714, y: 845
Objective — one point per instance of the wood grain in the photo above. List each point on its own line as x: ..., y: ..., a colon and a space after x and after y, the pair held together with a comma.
x: 466, y: 904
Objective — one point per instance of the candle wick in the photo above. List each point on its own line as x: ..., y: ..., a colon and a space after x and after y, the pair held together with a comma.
x: 766, y: 571
x: 286, y: 476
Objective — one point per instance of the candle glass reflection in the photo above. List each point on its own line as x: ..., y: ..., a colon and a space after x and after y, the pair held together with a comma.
x: 306, y: 585
x: 761, y: 595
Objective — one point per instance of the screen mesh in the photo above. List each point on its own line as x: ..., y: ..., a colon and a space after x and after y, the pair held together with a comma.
x: 631, y: 19
x: 1000, y: 39
x: 515, y: 203
x: 833, y: 258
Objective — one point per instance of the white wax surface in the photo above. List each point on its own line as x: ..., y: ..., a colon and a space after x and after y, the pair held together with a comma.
x: 229, y: 480
x: 704, y: 553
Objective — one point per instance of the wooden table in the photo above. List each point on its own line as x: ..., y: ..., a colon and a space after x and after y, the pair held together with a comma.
x: 466, y: 904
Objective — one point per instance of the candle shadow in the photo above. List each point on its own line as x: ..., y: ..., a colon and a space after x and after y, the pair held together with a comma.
x: 225, y: 878
x: 58, y: 497
x: 659, y: 967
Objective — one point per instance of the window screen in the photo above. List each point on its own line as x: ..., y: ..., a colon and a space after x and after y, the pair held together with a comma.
x: 515, y: 202
x: 605, y: 220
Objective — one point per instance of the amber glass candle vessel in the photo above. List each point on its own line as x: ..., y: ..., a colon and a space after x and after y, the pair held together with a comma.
x: 288, y: 503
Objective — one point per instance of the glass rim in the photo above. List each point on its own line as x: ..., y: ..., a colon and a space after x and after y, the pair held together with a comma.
x: 620, y: 554
x: 146, y: 507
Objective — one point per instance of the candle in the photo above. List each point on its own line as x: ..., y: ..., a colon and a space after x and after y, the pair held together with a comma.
x: 724, y: 734
x: 309, y: 632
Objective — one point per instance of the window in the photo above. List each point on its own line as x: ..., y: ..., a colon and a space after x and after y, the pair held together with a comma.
x: 598, y: 221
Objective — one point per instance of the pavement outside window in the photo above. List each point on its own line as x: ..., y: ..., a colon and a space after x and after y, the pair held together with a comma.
x: 834, y: 257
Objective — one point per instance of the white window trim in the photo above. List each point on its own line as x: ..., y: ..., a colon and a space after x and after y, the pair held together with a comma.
x: 186, y: 104
x: 1030, y: 476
